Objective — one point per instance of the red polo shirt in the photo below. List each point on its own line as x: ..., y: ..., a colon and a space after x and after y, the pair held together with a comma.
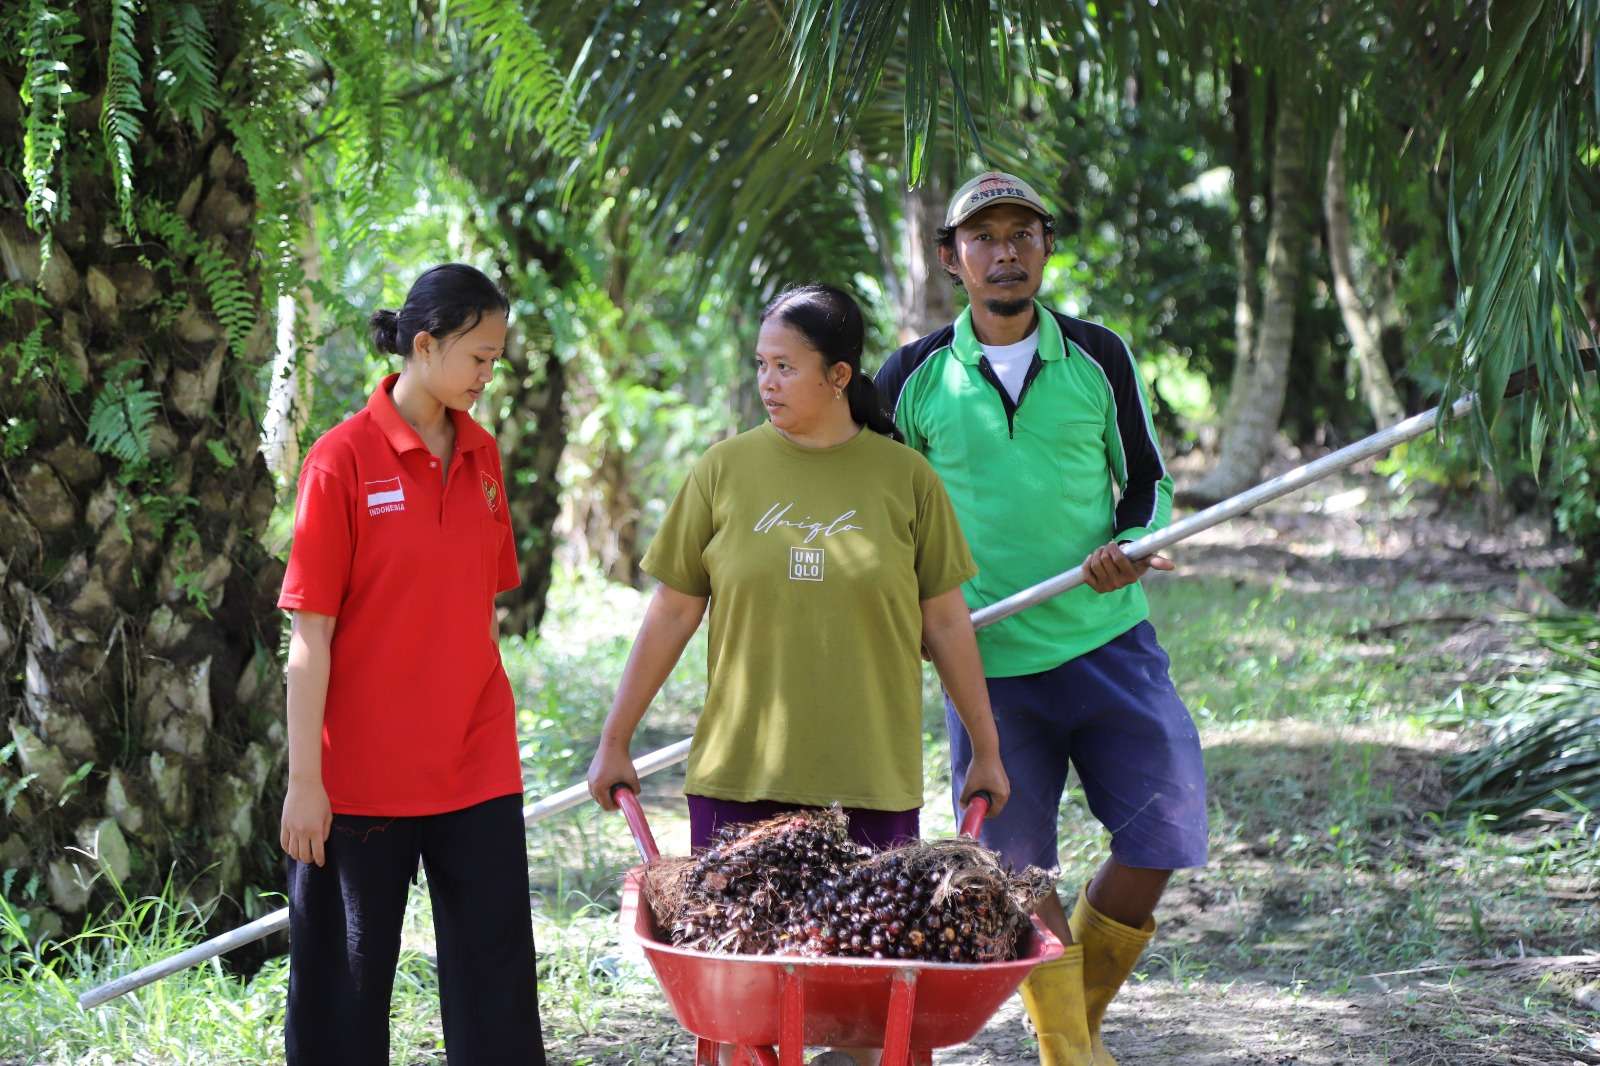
x: 419, y: 718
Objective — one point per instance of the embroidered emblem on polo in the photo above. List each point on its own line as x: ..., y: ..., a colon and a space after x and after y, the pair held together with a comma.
x: 491, y: 492
x: 805, y: 564
x: 385, y: 496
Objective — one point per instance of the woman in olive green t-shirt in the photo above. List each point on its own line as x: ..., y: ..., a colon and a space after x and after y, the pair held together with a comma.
x: 830, y: 557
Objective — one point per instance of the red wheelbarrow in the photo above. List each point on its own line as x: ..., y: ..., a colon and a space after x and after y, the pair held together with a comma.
x: 767, y: 1009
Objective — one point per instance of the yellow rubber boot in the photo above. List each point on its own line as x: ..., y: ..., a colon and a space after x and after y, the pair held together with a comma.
x: 1110, y: 950
x: 1053, y: 994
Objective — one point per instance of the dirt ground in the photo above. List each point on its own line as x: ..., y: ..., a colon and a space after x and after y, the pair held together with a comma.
x: 1189, y: 1002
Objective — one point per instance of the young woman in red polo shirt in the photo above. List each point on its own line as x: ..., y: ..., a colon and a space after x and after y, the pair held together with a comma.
x: 402, y: 727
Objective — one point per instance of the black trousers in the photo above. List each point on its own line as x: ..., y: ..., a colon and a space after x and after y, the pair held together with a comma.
x: 344, y: 937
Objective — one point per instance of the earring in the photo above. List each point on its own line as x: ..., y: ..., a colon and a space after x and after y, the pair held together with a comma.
x: 837, y: 394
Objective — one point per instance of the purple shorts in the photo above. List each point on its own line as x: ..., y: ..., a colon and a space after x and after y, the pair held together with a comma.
x: 873, y: 829
x: 1113, y: 713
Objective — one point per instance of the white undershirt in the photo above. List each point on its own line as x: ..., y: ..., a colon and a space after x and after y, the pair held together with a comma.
x: 1011, y: 361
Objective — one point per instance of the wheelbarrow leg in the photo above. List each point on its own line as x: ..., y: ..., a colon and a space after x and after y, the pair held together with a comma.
x: 705, y: 1052
x: 791, y: 1019
x: 897, y: 1031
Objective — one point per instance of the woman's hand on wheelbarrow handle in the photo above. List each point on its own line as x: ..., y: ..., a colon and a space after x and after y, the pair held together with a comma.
x: 985, y: 774
x: 610, y: 768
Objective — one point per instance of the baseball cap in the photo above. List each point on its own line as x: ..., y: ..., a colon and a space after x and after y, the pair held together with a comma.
x: 988, y: 189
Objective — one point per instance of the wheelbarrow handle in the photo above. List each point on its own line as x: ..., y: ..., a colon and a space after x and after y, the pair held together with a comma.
x: 628, y: 803
x: 977, y: 810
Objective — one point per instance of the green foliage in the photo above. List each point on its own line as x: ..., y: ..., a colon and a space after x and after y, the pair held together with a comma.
x: 525, y: 83
x: 1514, y: 137
x: 231, y: 300
x: 264, y: 115
x: 124, y: 412
x: 10, y: 790
x: 16, y: 436
x: 31, y: 355
x: 1145, y: 240
x: 30, y: 358
x: 701, y: 152
x: 46, y: 91
x: 363, y: 121
x: 966, y: 54
x: 12, y: 297
x: 119, y: 119
x: 1543, y: 749
x: 1575, y: 487
x: 70, y: 786
x: 186, y: 78
x: 221, y: 455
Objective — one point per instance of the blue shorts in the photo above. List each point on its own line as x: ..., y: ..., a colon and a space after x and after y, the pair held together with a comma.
x: 1114, y: 714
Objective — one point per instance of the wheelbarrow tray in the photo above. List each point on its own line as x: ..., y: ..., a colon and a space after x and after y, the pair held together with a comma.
x: 789, y: 1001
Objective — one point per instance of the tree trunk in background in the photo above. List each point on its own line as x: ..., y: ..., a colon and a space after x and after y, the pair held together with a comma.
x: 614, y: 526
x: 531, y: 426
x: 141, y: 694
x: 1260, y: 378
x: 532, y: 436
x: 294, y: 364
x: 1365, y: 328
x: 1247, y: 291
x: 929, y: 297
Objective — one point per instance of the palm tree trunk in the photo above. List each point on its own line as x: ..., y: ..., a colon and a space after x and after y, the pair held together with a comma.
x: 1247, y: 259
x: 1260, y: 377
x: 532, y: 439
x: 1364, y: 327
x: 929, y: 298
x: 140, y: 689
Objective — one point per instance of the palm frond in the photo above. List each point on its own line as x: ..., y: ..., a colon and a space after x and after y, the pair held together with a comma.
x: 1543, y: 749
x: 1518, y: 137
x: 969, y: 53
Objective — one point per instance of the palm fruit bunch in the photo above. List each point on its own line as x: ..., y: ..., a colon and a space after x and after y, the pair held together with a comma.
x: 739, y: 895
x: 797, y: 885
x: 943, y: 901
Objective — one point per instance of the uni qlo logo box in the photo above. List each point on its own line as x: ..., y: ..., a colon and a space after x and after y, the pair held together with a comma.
x: 805, y: 564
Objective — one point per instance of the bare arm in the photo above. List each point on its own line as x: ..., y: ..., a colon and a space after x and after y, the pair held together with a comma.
x: 307, y: 816
x: 669, y: 622
x: 953, y: 647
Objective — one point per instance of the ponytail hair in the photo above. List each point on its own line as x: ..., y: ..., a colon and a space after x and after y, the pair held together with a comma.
x: 866, y: 408
x: 831, y: 320
x: 445, y: 300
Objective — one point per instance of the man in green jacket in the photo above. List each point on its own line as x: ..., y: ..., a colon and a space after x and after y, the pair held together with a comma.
x: 1038, y: 424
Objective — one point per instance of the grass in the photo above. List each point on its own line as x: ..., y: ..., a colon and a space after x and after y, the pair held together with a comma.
x: 1327, y: 715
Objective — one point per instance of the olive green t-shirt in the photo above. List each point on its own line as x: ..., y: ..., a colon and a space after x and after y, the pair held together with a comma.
x: 816, y: 561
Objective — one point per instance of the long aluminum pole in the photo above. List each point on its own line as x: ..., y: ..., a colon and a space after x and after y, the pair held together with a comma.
x: 278, y: 920
x: 568, y: 798
x: 1296, y: 479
